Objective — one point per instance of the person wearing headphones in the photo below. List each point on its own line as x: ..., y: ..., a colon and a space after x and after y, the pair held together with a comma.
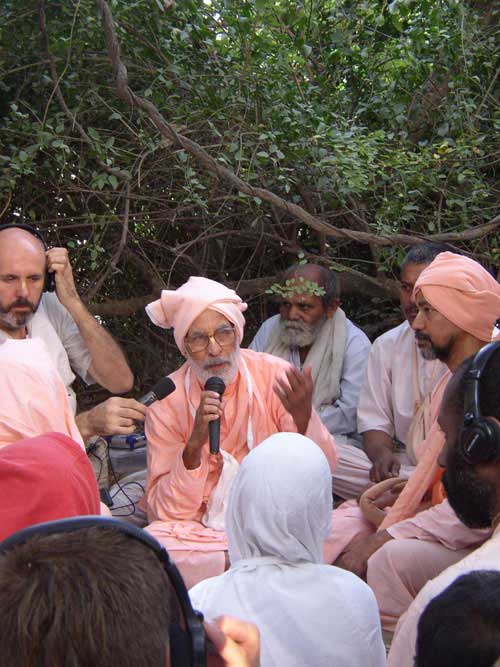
x: 470, y: 420
x: 39, y: 299
x: 458, y: 304
x: 77, y: 589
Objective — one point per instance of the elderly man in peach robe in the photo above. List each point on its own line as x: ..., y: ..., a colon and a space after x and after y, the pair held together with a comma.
x: 187, y: 487
x: 458, y: 306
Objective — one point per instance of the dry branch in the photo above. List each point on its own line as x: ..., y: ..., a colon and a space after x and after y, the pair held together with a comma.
x: 121, y: 246
x: 168, y: 131
x: 58, y: 93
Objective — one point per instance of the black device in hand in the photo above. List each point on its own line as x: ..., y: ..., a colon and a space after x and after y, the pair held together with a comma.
x: 215, y: 384
x: 162, y: 388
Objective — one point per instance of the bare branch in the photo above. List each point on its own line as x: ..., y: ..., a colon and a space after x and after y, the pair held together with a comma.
x: 58, y: 93
x: 121, y: 246
x: 169, y: 132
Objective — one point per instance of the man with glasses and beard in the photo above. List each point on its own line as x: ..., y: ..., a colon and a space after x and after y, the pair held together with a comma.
x: 472, y: 484
x: 312, y: 330
x: 187, y: 485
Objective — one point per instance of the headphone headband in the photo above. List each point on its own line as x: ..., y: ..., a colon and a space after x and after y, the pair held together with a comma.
x: 188, y: 644
x: 473, y: 377
x: 479, y: 437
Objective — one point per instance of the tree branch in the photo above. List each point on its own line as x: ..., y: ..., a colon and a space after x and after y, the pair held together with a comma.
x: 168, y: 131
x: 121, y: 246
x: 58, y: 93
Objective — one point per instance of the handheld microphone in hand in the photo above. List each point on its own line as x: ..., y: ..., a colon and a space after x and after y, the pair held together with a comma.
x: 215, y: 384
x: 162, y: 388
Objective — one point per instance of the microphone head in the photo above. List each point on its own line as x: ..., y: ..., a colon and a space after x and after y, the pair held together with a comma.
x: 163, y: 388
x: 215, y: 384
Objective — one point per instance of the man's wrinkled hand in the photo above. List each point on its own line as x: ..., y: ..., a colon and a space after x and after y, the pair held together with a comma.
x: 116, y: 416
x: 209, y: 409
x: 58, y: 263
x: 295, y: 391
x: 355, y: 556
x: 236, y: 643
x: 386, y: 466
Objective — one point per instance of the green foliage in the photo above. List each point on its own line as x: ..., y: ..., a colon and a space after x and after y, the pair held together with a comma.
x: 376, y: 116
x: 295, y: 286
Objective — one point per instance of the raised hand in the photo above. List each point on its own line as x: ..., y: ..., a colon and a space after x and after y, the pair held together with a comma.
x: 295, y: 391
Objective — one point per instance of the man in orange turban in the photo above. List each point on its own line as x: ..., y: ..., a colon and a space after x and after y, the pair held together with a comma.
x: 458, y: 307
x: 187, y: 487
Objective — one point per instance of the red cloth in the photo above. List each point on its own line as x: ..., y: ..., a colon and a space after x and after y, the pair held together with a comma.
x: 42, y: 479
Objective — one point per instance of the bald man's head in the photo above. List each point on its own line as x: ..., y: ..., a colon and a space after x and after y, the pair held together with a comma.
x: 22, y: 276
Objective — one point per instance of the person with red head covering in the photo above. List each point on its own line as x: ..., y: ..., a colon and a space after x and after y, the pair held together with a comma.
x: 458, y: 308
x: 42, y: 479
x: 187, y: 487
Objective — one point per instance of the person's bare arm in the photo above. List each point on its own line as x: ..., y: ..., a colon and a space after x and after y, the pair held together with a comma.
x: 108, y: 364
x: 378, y: 447
x: 355, y: 556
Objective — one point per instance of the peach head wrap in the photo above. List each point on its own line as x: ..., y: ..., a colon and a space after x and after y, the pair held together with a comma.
x: 463, y: 291
x: 179, y: 308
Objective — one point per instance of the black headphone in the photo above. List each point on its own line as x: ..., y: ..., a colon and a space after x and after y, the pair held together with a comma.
x: 186, y: 635
x: 50, y: 278
x: 479, y: 437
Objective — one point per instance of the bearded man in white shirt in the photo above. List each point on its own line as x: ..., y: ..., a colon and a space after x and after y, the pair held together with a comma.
x: 394, y: 403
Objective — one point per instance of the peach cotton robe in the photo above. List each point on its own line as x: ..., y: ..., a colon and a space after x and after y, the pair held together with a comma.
x: 176, y: 497
x: 348, y: 521
x: 34, y: 399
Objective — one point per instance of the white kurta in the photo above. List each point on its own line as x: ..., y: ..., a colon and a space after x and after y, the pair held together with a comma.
x: 386, y: 403
x: 33, y: 396
x: 486, y: 557
x: 53, y: 324
x: 308, y: 613
x: 387, y: 399
x: 340, y: 417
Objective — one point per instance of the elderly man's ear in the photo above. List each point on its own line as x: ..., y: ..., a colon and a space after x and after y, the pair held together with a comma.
x: 332, y: 308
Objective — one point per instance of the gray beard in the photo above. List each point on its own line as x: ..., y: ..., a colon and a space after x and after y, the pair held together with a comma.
x: 227, y: 374
x: 10, y: 322
x: 299, y: 334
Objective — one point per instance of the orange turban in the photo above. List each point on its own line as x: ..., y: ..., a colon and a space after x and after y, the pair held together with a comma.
x: 179, y: 308
x: 463, y: 291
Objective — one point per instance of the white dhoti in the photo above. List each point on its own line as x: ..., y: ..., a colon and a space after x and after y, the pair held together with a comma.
x: 352, y: 474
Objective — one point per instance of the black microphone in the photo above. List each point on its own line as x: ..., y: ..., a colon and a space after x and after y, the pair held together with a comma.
x: 215, y: 384
x: 162, y: 388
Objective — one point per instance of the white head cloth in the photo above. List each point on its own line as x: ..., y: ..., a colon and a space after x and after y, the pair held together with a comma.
x: 277, y: 520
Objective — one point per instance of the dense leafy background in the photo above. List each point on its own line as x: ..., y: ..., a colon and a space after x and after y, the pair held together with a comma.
x: 373, y: 115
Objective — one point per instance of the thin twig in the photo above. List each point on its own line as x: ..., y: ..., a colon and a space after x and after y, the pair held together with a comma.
x: 209, y: 163
x: 116, y: 257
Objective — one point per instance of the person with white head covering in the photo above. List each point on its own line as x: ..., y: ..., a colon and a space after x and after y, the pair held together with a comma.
x: 277, y: 519
x: 187, y: 486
